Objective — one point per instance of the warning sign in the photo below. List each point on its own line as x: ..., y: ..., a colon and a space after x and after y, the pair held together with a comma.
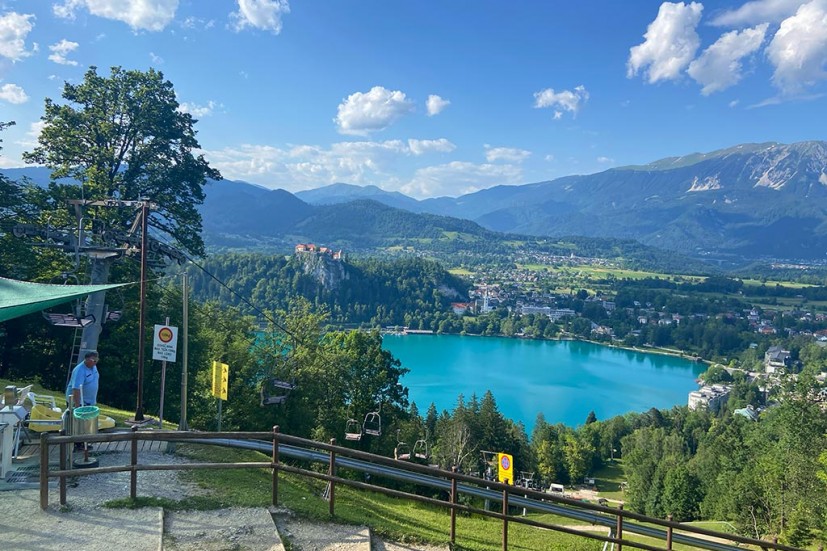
x: 220, y: 379
x: 165, y: 343
x: 505, y: 471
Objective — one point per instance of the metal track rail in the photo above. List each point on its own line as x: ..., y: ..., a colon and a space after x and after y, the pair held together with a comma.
x: 445, y: 485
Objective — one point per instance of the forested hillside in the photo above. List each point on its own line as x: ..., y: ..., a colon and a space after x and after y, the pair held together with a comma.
x: 371, y: 291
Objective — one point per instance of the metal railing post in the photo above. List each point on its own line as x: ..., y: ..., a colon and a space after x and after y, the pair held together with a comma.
x: 453, y: 535
x: 669, y: 534
x: 133, y: 474
x: 619, y: 529
x: 505, y: 520
x: 275, y: 461
x: 44, y: 470
x: 331, y: 470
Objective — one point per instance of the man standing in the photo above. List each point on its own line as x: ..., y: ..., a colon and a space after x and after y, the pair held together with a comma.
x: 83, y: 383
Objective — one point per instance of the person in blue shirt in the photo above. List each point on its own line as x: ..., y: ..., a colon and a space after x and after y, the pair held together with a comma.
x: 83, y: 385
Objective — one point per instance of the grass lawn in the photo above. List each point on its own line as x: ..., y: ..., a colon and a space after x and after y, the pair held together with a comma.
x: 387, y: 516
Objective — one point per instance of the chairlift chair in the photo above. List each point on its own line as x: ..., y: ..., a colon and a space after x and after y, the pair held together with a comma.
x: 275, y: 391
x: 372, y: 424
x: 402, y: 451
x: 420, y: 450
x: 352, y: 430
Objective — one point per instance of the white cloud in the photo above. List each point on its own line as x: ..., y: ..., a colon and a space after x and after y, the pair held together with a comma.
x: 362, y: 113
x: 301, y: 167
x: 671, y: 43
x: 565, y: 100
x: 60, y: 50
x: 458, y: 178
x: 719, y: 66
x: 141, y: 15
x: 605, y: 160
x: 14, y: 27
x: 436, y: 104
x: 156, y: 59
x: 420, y: 147
x: 798, y: 51
x: 260, y: 14
x: 734, y: 103
x: 13, y: 93
x: 509, y: 154
x: 30, y: 139
x: 758, y: 11
x: 199, y: 111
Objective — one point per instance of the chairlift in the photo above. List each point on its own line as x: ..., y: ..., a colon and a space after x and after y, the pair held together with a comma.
x: 75, y: 318
x: 352, y: 430
x: 276, y: 389
x: 420, y: 450
x: 402, y: 451
x: 372, y: 424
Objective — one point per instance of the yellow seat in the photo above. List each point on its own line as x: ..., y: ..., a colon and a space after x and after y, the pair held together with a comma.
x: 45, y: 419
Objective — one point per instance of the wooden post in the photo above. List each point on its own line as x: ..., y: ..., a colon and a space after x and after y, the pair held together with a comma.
x: 619, y: 528
x: 275, y: 460
x: 453, y: 508
x: 133, y: 474
x: 331, y: 470
x: 669, y: 534
x: 64, y: 461
x: 44, y: 470
x: 505, y: 520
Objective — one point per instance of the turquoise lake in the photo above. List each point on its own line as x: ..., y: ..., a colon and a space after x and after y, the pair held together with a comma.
x: 564, y: 380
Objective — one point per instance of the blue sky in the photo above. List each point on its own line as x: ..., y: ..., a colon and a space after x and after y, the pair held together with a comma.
x: 437, y: 97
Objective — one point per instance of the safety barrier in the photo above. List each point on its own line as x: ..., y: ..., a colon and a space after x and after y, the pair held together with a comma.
x: 618, y: 520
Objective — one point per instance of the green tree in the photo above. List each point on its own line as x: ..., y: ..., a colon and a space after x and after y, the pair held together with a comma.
x: 125, y: 137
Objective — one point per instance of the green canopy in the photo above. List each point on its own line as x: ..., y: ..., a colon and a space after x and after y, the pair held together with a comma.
x: 18, y: 298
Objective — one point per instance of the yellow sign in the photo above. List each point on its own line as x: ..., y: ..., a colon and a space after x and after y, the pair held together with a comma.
x: 505, y: 468
x: 220, y: 379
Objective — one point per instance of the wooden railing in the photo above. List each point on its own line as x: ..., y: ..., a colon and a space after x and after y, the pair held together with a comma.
x: 618, y: 520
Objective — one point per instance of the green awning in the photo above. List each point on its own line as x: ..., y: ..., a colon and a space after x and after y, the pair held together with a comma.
x: 18, y: 298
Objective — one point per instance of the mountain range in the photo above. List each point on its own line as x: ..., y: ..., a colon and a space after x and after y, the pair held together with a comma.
x: 750, y: 201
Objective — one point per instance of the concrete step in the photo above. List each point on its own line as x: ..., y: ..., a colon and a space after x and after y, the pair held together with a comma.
x: 221, y: 530
x: 305, y: 535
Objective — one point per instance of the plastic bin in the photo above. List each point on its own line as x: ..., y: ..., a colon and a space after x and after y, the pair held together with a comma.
x: 86, y: 420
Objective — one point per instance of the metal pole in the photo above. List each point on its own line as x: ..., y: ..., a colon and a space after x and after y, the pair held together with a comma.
x: 163, y: 387
x: 139, y: 407
x: 219, y: 413
x: 182, y: 424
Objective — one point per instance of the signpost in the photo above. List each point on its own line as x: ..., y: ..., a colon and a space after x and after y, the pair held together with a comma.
x: 505, y: 470
x: 164, y: 348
